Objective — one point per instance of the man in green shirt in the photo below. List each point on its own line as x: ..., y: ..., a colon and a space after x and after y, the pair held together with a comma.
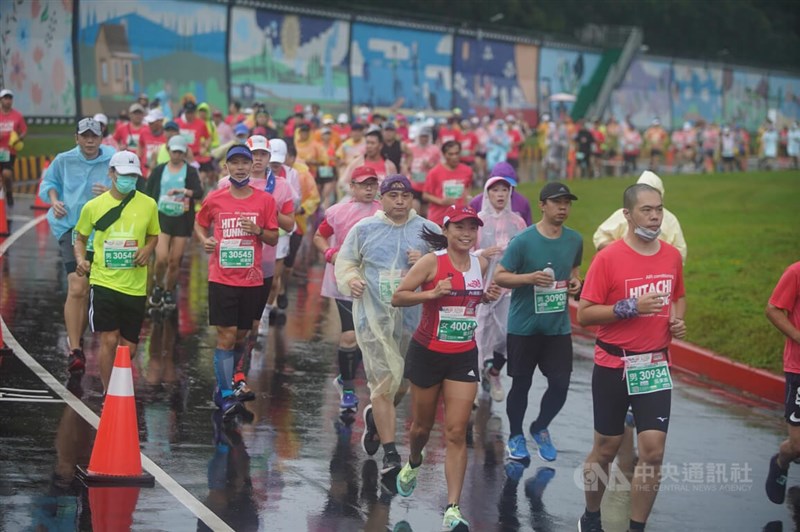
x: 541, y: 266
x: 126, y: 232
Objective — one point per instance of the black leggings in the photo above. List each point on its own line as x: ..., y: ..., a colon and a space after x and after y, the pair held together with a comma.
x: 552, y: 401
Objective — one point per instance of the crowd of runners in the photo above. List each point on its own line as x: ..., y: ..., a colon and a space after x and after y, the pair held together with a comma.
x: 436, y: 289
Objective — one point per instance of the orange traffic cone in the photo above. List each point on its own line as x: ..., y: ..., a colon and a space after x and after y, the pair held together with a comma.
x: 112, y: 508
x: 115, y: 458
x: 3, y: 217
x: 38, y: 204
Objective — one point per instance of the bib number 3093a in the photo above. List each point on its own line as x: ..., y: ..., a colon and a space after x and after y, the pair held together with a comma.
x: 647, y: 373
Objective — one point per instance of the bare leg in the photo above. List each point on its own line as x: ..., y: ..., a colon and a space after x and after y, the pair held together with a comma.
x: 602, y: 454
x: 647, y: 476
x: 423, y: 407
x: 76, y: 308
x: 178, y: 245
x: 458, y: 399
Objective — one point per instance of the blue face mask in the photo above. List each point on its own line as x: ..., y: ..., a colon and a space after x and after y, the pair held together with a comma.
x: 240, y: 184
x: 126, y: 183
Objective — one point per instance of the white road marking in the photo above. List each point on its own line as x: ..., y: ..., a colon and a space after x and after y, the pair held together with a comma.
x: 200, y: 510
x: 22, y: 390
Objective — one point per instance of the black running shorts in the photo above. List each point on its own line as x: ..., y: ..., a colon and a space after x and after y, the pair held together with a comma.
x: 233, y: 306
x: 551, y: 354
x: 792, y: 401
x: 611, y: 400
x: 110, y: 310
x: 426, y: 368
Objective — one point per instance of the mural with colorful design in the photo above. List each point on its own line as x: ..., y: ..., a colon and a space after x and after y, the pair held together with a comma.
x: 644, y: 93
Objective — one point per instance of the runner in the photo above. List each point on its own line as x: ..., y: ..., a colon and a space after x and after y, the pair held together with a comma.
x: 500, y: 225
x: 73, y: 178
x: 373, y: 157
x: 196, y: 133
x: 333, y: 230
x: 783, y: 311
x: 372, y: 261
x: 151, y: 139
x: 541, y: 266
x: 127, y: 133
x: 448, y: 184
x: 425, y: 155
x: 519, y: 203
x: 634, y: 292
x: 442, y: 358
x: 175, y: 186
x: 12, y: 124
x: 125, y: 226
x: 243, y: 219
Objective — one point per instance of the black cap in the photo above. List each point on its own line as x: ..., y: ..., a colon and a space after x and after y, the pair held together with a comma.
x: 555, y: 190
x: 189, y: 106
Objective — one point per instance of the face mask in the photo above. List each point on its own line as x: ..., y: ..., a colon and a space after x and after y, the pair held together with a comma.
x: 646, y: 234
x: 239, y: 184
x: 126, y: 183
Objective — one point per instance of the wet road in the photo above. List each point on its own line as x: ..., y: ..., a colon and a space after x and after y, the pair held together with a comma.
x: 296, y: 465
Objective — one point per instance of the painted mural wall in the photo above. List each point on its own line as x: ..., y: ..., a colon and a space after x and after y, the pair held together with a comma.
x: 128, y: 47
x: 644, y: 93
x: 36, y: 56
x: 283, y: 60
x: 696, y: 94
x: 563, y: 72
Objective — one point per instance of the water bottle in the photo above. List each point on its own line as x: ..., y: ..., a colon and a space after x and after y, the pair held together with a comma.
x: 549, y: 269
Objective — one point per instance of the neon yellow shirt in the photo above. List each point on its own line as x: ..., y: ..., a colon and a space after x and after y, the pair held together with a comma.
x: 114, y: 248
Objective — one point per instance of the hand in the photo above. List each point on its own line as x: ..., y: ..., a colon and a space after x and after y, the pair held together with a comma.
x: 98, y: 189
x: 677, y: 327
x: 58, y: 209
x: 442, y: 288
x: 142, y: 257
x: 413, y: 256
x: 175, y: 192
x: 357, y: 288
x: 249, y: 226
x: 210, y: 244
x: 574, y: 286
x: 492, y: 251
x: 83, y: 268
x: 651, y: 303
x: 545, y: 280
x: 492, y: 293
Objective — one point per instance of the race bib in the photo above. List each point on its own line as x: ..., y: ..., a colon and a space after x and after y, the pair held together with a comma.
x: 453, y: 189
x: 189, y: 135
x: 325, y: 171
x: 418, y: 177
x: 647, y: 373
x: 89, y: 241
x: 170, y: 207
x: 5, y: 156
x: 119, y: 254
x: 465, y: 153
x: 550, y: 300
x: 388, y: 281
x: 456, y: 325
x: 235, y: 253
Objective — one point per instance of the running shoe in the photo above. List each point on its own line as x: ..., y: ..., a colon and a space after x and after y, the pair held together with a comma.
x: 547, y: 451
x: 514, y: 470
x: 231, y: 406
x: 349, y: 401
x: 339, y: 385
x: 495, y: 386
x: 590, y: 524
x: 242, y: 392
x: 156, y: 297
x: 391, y: 463
x: 76, y: 363
x: 370, y: 441
x: 776, y: 481
x: 453, y: 520
x: 168, y: 300
x: 283, y: 301
x: 407, y: 479
x: 517, y: 448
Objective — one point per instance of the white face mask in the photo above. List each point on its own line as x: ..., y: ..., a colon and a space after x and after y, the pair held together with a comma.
x: 646, y: 234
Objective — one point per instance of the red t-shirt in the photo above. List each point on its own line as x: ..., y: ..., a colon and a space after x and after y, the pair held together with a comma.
x: 619, y: 272
x: 443, y: 182
x: 232, y: 266
x: 786, y: 296
x: 148, y: 145
x: 423, y: 160
x: 232, y: 120
x: 127, y: 136
x: 448, y: 323
x: 379, y: 167
x: 469, y: 143
x: 446, y: 134
x: 11, y: 121
x: 194, y: 132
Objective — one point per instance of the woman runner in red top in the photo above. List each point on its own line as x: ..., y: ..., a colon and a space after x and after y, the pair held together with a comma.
x: 442, y: 358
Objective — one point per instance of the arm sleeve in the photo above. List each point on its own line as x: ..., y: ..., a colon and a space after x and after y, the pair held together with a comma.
x: 578, y: 252
x: 430, y: 183
x: 204, y: 215
x: 612, y: 229
x: 786, y: 291
x: 325, y: 229
x: 595, y: 286
x: 511, y: 258
x: 348, y: 261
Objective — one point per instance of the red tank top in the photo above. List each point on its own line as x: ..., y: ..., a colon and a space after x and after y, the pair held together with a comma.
x: 448, y: 323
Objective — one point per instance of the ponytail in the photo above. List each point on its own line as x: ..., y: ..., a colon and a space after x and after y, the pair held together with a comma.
x: 435, y: 240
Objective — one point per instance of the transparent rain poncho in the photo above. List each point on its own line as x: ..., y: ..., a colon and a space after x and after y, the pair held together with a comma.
x: 376, y: 252
x: 498, y: 230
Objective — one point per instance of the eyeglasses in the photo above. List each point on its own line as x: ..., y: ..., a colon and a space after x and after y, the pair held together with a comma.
x: 368, y: 184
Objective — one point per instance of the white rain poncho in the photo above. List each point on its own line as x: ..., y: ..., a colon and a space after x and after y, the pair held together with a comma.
x: 376, y: 251
x: 498, y: 230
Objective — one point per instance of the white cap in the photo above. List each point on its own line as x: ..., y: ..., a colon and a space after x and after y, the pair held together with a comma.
x: 178, y: 143
x: 100, y: 117
x: 277, y: 149
x: 342, y: 118
x: 154, y: 116
x: 363, y: 110
x: 125, y: 163
x: 258, y: 143
x: 6, y: 92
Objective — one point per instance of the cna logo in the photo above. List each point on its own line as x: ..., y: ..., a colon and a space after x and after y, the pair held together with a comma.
x: 475, y: 283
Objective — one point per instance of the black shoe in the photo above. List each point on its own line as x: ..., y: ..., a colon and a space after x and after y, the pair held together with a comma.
x: 242, y: 392
x: 283, y: 301
x: 590, y: 524
x: 273, y: 315
x: 156, y: 297
x: 76, y: 363
x: 391, y: 463
x: 370, y: 441
x: 776, y: 481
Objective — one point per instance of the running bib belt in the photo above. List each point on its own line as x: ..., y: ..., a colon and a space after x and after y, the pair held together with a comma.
x: 550, y: 300
x: 456, y: 324
x: 234, y: 253
x: 388, y: 281
x: 169, y: 207
x: 453, y: 189
x: 5, y: 156
x: 647, y: 373
x: 119, y: 254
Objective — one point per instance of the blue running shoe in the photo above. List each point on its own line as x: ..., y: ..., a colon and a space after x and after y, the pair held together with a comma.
x: 349, y: 401
x: 547, y: 450
x: 514, y: 470
x: 517, y: 448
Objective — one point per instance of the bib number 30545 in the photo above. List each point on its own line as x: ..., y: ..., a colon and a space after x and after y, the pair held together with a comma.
x: 647, y: 373
x: 119, y: 254
x: 234, y: 254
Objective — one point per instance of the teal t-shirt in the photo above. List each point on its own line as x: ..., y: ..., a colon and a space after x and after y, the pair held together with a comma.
x: 535, y: 310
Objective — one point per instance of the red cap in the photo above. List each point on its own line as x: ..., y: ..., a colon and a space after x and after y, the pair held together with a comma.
x: 298, y: 108
x: 362, y: 173
x: 459, y: 214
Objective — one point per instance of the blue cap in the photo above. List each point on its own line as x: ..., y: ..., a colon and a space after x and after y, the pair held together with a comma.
x: 239, y: 149
x: 241, y: 129
x: 172, y: 125
x: 396, y: 182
